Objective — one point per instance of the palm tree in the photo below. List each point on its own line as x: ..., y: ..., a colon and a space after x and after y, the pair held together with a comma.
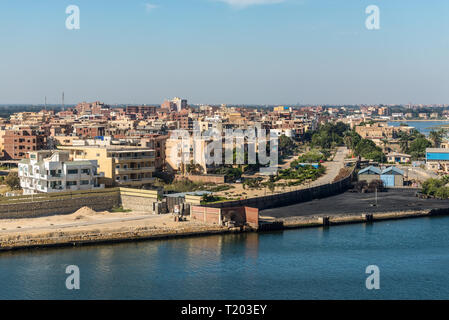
x: 436, y: 136
x: 385, y: 144
x: 404, y: 142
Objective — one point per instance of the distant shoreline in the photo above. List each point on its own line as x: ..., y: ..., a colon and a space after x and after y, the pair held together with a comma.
x: 447, y: 120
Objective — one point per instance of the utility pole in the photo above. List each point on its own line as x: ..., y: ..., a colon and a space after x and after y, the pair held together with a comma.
x: 376, y: 196
x: 63, y: 101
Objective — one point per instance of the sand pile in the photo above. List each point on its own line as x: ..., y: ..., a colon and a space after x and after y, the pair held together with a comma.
x: 83, y: 213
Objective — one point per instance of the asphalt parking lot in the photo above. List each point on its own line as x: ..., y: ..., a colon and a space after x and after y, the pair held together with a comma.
x: 357, y: 203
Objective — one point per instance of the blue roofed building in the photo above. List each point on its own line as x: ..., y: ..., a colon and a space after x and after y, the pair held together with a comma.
x: 437, y: 159
x: 392, y: 177
x: 369, y: 174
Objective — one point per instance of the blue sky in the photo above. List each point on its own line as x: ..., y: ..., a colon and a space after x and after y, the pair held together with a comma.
x: 225, y: 51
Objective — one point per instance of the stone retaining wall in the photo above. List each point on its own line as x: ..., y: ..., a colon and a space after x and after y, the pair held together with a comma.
x: 41, y: 208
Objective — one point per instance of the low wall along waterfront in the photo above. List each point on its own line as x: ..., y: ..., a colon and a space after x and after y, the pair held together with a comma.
x: 238, y: 216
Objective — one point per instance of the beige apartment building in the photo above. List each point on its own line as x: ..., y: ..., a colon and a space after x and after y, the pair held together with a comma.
x: 179, y: 153
x: 122, y: 165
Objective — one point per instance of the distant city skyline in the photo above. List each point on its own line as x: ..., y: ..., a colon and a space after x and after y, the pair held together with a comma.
x: 258, y: 52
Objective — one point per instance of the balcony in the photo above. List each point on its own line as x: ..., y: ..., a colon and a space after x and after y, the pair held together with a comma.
x: 134, y: 170
x: 138, y: 157
x: 136, y: 181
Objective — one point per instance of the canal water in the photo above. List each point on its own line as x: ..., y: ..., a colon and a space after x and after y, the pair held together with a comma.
x: 422, y: 126
x: 412, y: 256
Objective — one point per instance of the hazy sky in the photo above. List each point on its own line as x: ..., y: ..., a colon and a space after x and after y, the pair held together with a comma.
x: 225, y: 51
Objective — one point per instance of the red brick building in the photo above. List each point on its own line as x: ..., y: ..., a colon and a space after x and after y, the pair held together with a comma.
x: 141, y: 110
x: 17, y: 142
x: 89, y: 131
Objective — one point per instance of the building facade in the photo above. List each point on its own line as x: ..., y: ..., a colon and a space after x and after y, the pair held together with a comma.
x: 437, y: 159
x: 122, y: 165
x: 52, y: 171
x: 17, y: 142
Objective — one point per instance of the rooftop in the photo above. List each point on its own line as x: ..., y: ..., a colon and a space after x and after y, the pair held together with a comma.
x: 444, y: 150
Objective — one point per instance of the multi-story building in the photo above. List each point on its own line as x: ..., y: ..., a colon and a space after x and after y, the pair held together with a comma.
x: 157, y: 143
x: 142, y: 110
x: 17, y: 142
x: 437, y: 159
x: 176, y: 104
x: 179, y: 153
x: 122, y: 165
x: 51, y: 171
x: 89, y: 131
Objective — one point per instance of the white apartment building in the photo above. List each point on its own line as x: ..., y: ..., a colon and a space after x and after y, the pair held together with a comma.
x: 51, y: 171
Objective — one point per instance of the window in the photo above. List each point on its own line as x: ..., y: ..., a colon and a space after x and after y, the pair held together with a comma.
x: 117, y: 178
x: 84, y: 182
x: 85, y: 171
x: 72, y: 171
x: 71, y: 183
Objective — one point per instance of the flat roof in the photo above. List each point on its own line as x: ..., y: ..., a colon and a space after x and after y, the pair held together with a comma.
x: 108, y: 148
x: 439, y: 150
x: 78, y: 163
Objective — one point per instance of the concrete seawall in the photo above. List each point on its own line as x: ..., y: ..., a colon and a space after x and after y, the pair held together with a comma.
x: 70, y: 239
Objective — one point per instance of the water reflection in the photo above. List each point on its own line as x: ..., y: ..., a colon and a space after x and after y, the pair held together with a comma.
x: 324, y: 263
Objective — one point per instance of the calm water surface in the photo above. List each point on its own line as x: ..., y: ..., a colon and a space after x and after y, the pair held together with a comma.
x: 413, y: 257
x: 422, y: 126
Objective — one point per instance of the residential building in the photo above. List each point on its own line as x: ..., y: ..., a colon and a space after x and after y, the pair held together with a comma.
x: 52, y: 171
x: 17, y: 142
x: 176, y: 104
x: 396, y: 157
x: 122, y: 165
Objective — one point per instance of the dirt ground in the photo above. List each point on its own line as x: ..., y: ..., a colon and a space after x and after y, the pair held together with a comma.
x: 87, y: 220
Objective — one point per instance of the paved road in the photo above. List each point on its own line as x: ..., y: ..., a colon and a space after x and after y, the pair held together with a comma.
x: 332, y: 168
